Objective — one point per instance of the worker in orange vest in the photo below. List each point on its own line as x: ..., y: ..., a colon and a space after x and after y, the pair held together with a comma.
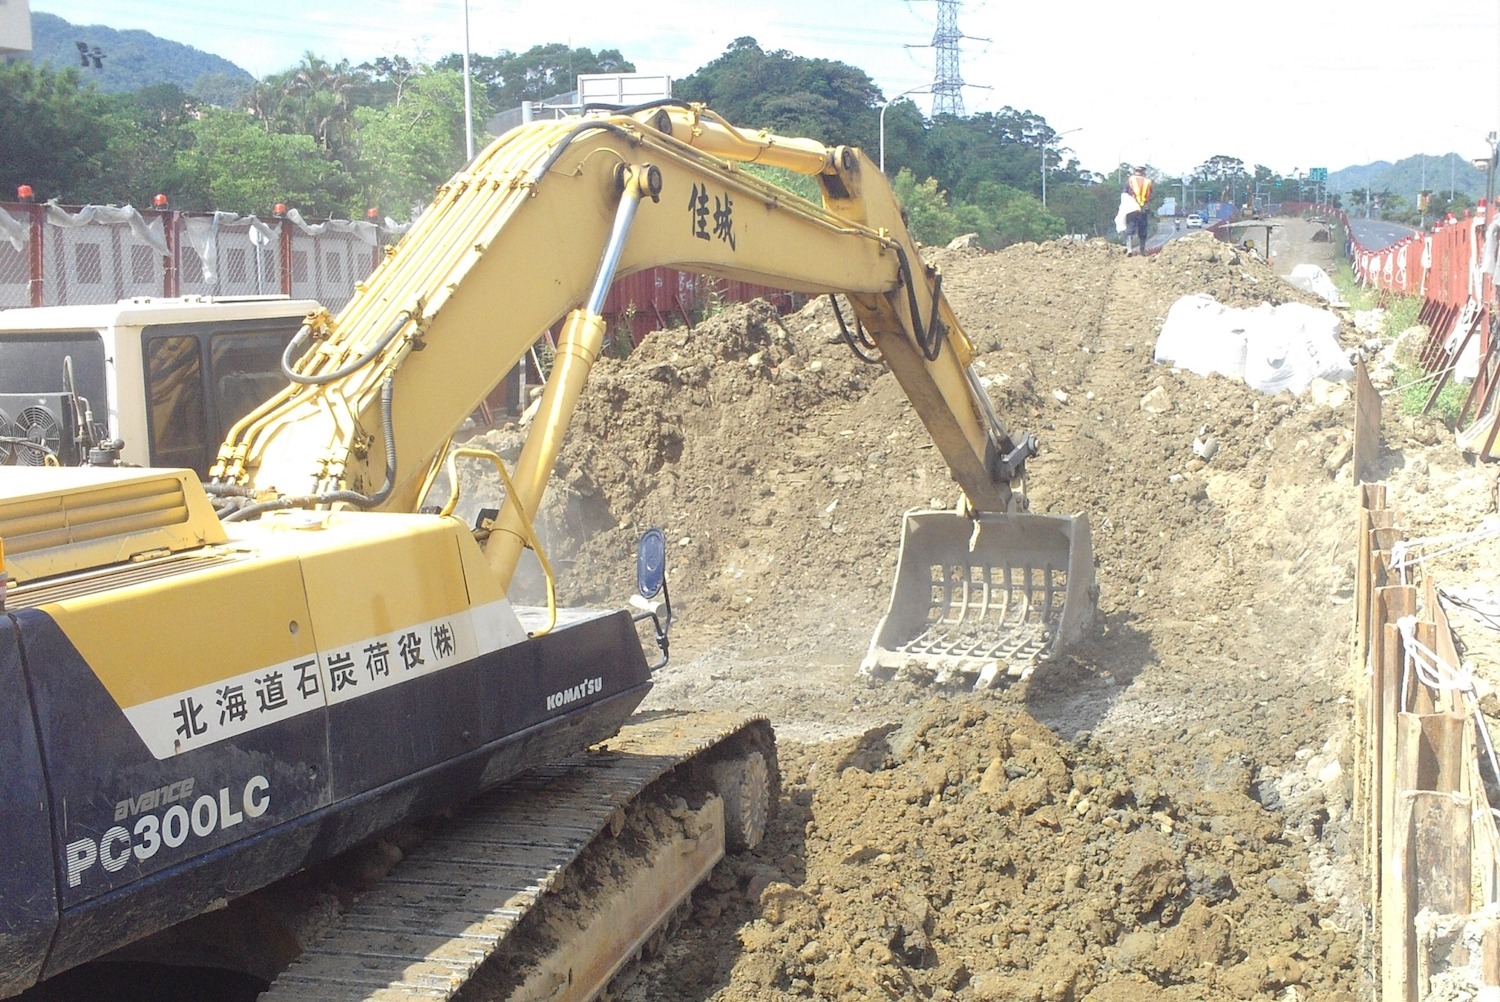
x: 1138, y: 186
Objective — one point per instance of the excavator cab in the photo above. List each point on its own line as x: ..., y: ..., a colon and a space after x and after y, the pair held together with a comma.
x: 980, y: 600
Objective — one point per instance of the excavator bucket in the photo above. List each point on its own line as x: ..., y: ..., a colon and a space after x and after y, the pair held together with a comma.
x: 979, y: 601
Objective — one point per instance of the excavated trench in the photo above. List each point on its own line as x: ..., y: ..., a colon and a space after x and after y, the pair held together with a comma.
x: 1161, y: 812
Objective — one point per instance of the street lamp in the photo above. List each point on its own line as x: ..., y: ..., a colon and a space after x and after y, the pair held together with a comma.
x: 1055, y: 136
x: 468, y: 94
x: 915, y: 90
x: 1489, y: 184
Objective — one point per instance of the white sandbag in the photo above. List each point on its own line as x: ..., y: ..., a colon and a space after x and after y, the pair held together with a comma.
x: 1311, y: 278
x: 1293, y: 346
x: 1202, y: 335
x: 1127, y: 206
x: 1272, y: 348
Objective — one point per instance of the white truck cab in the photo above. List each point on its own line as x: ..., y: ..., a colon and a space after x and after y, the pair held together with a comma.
x: 141, y: 382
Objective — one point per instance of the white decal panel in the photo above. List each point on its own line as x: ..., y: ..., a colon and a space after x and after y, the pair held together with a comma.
x: 229, y: 707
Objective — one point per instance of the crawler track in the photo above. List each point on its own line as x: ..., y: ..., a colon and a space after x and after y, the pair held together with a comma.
x: 427, y: 928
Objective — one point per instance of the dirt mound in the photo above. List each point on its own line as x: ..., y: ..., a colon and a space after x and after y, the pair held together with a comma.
x: 1162, y: 811
x: 972, y: 854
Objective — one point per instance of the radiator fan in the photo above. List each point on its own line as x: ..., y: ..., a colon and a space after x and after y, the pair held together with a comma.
x: 7, y: 439
x: 38, y: 436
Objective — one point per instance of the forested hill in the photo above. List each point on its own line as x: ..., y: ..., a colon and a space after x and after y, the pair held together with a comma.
x: 134, y: 59
x: 1412, y: 174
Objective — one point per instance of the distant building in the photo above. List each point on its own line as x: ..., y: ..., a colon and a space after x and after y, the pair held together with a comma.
x: 15, y: 27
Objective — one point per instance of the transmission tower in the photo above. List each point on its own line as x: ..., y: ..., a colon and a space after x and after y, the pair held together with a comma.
x: 947, y: 87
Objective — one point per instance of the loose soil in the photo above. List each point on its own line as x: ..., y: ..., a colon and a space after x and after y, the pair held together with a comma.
x: 1162, y: 811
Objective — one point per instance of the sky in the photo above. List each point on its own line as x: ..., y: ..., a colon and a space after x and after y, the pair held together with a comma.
x: 1347, y: 83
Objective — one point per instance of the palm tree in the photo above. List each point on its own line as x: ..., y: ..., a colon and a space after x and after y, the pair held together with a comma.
x: 317, y: 101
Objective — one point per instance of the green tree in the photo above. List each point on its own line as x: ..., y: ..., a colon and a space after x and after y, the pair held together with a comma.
x: 318, y: 101
x: 151, y: 126
x: 56, y: 132
x: 1086, y: 207
x: 233, y: 164
x: 1012, y: 216
x: 1224, y: 177
x: 219, y: 89
x: 1442, y: 205
x: 542, y: 71
x: 414, y: 144
x: 387, y: 79
x: 822, y: 99
x: 1007, y: 147
x: 963, y: 152
x: 928, y: 216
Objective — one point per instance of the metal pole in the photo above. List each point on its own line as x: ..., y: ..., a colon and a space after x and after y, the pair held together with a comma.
x: 468, y: 93
x: 882, y: 133
x: 1422, y: 211
x: 1044, y: 175
x: 883, y: 107
x: 1489, y: 186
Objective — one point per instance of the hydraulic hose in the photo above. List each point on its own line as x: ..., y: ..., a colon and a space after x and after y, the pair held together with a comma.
x: 354, y: 366
x: 355, y: 498
x: 635, y: 109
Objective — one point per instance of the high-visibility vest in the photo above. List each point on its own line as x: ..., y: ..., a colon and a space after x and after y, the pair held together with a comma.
x: 1140, y: 188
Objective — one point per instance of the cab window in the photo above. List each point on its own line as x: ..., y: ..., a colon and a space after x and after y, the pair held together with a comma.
x: 175, y: 404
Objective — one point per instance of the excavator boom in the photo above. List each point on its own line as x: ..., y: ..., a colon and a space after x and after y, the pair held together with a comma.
x: 516, y: 240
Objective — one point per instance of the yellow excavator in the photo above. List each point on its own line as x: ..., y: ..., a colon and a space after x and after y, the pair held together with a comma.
x: 210, y: 687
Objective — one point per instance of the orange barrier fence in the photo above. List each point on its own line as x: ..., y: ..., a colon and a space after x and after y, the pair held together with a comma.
x: 1452, y: 267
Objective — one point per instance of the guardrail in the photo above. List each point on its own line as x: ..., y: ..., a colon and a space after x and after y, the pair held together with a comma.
x: 1453, y: 267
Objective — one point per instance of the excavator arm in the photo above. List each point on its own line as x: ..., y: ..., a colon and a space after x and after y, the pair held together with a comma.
x: 544, y: 220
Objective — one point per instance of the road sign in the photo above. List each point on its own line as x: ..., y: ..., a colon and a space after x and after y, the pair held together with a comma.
x: 1317, y: 173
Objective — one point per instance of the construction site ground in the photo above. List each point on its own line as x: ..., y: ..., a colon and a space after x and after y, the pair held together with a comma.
x: 1163, y: 812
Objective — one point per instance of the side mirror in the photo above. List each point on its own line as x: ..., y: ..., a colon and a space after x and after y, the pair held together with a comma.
x: 650, y: 581
x: 651, y: 563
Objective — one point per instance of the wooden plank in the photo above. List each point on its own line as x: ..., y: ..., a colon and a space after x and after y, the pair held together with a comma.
x: 1441, y: 841
x: 1486, y: 857
x: 1489, y: 964
x: 1373, y: 786
x: 1359, y: 686
x: 1366, y: 427
x: 1391, y: 603
x: 1430, y: 752
x: 1446, y: 648
x: 1364, y: 589
x: 1370, y: 494
x: 1398, y: 966
x: 1422, y: 697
